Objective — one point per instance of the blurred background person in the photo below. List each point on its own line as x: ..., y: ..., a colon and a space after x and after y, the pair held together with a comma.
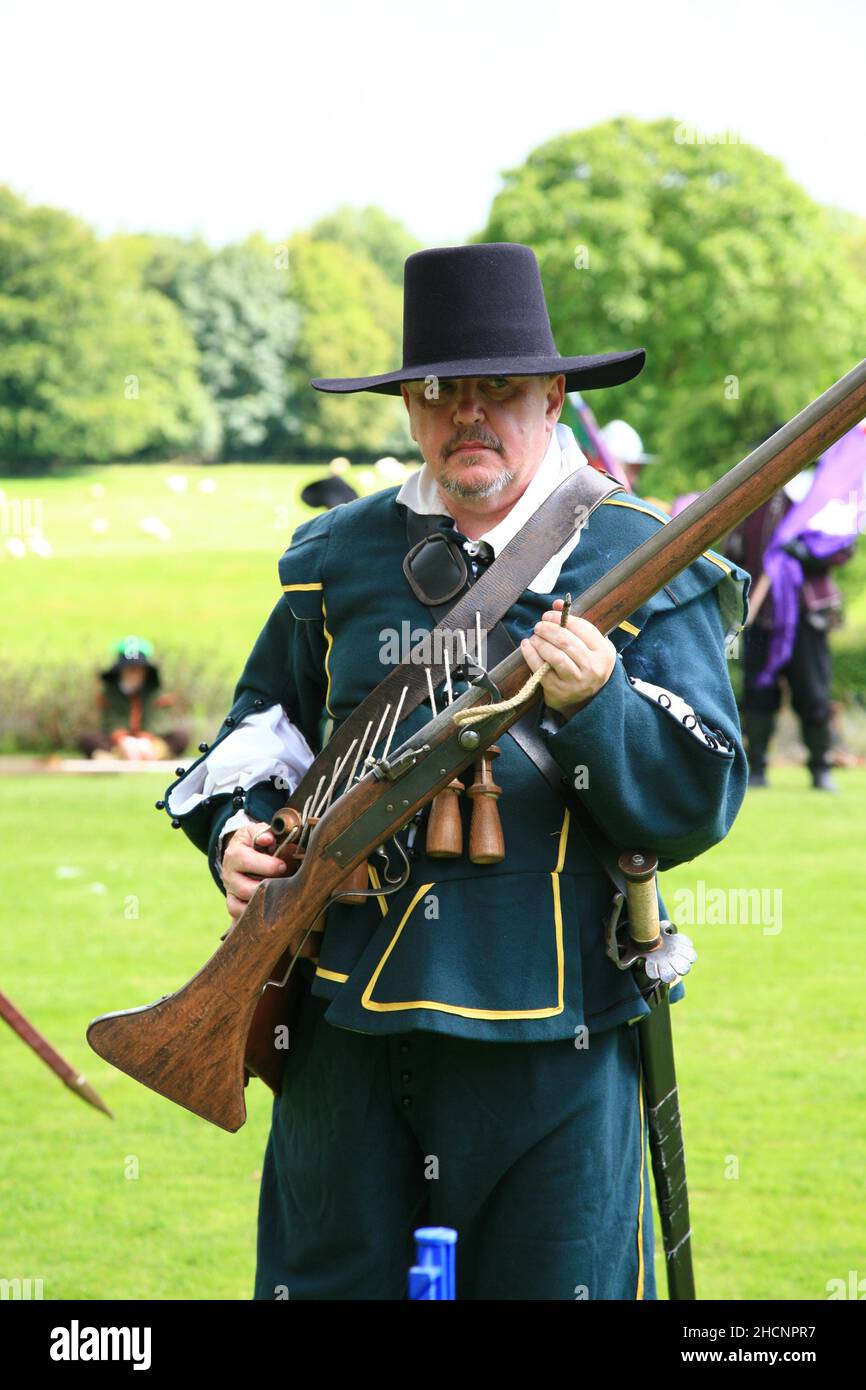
x: 625, y: 446
x: 790, y: 545
x: 127, y: 701
x: 331, y: 490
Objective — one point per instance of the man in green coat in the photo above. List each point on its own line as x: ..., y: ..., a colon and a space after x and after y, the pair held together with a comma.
x: 463, y: 1054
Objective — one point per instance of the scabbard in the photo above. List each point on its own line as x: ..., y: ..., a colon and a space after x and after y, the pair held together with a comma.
x: 666, y: 1147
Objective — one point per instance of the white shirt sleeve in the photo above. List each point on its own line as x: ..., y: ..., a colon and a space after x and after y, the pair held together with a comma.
x: 264, y: 744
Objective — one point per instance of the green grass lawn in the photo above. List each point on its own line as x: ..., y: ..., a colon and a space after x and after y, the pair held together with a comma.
x: 770, y: 1039
x: 201, y: 589
x: 770, y: 1042
x: 206, y: 584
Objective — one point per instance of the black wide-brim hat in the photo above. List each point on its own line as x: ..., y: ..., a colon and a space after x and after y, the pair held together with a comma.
x: 480, y: 311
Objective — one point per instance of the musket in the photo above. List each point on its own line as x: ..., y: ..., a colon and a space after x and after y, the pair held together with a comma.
x: 190, y: 1046
x: 75, y: 1080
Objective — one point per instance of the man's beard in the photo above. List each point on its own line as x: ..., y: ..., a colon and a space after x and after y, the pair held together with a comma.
x: 456, y: 487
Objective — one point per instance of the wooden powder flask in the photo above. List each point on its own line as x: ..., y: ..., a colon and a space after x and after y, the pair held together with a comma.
x: 444, y: 838
x: 486, y: 840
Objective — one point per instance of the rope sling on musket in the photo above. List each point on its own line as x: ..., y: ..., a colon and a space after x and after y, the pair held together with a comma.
x: 526, y: 691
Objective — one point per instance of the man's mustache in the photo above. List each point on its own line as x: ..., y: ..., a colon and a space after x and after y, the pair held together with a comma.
x: 486, y: 440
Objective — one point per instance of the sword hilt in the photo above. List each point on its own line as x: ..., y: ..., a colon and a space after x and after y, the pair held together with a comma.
x: 638, y: 868
x: 660, y: 953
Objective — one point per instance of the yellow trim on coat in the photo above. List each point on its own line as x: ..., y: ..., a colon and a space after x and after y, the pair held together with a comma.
x: 299, y: 588
x: 374, y: 880
x: 633, y: 506
x: 563, y: 841
x: 466, y: 1012
x: 630, y: 627
x: 640, y: 1210
x: 332, y: 975
x: 330, y: 641
x: 714, y: 560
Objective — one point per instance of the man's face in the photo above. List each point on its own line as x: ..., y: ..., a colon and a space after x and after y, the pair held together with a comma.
x: 481, y: 435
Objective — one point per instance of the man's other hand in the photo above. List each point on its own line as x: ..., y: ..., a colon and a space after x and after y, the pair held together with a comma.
x: 243, y: 867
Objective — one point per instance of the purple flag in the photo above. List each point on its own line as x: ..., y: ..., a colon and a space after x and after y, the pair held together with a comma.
x: 828, y: 519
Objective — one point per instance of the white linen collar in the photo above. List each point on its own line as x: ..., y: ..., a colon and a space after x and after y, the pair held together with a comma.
x: 420, y: 494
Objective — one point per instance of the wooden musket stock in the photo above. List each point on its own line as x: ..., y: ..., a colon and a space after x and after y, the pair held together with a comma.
x: 190, y: 1046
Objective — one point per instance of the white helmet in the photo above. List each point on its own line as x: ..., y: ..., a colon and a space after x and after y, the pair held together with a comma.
x: 625, y: 443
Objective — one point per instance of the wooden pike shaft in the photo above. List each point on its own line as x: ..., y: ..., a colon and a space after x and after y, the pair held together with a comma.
x: 50, y: 1056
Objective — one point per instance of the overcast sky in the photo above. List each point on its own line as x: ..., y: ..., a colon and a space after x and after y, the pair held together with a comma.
x: 181, y: 116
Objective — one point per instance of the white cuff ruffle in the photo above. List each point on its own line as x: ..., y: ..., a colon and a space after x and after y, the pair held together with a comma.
x: 265, y: 744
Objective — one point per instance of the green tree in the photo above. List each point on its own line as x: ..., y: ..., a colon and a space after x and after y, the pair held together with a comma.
x: 708, y: 255
x: 372, y: 232
x: 93, y: 364
x: 159, y: 257
x: 852, y: 235
x: 236, y: 305
x: 351, y: 325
